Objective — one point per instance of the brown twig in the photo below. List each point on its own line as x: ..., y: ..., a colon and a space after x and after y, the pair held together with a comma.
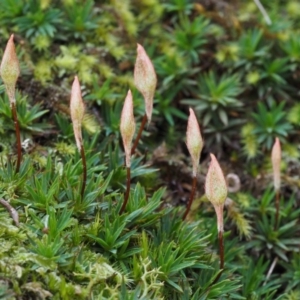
x: 277, y: 202
x: 144, y: 120
x: 127, y: 191
x: 18, y: 136
x: 84, y: 175
x: 191, y: 198
x: 13, y: 213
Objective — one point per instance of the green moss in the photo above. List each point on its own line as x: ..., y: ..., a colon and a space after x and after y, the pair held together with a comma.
x: 223, y: 61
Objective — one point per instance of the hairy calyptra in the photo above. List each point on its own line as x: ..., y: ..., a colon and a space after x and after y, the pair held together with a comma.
x: 215, y: 184
x: 276, y: 159
x: 216, y: 189
x: 194, y: 140
x: 194, y: 144
x: 127, y: 126
x: 77, y: 111
x: 216, y: 192
x: 145, y: 79
x: 10, y: 69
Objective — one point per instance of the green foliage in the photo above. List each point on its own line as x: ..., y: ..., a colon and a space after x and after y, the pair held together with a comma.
x: 189, y: 37
x: 179, y: 6
x: 10, y: 10
x: 256, y: 285
x: 268, y: 240
x: 270, y: 123
x: 292, y: 47
x: 167, y: 110
x: 37, y: 20
x: 249, y: 140
x: 252, y: 52
x: 55, y: 230
x: 240, y: 75
x: 27, y: 115
x: 80, y: 19
x: 217, y: 96
x: 220, y: 134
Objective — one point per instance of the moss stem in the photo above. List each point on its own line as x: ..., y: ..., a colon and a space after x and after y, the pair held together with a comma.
x: 127, y: 191
x: 192, y: 195
x: 277, y: 202
x: 84, y: 172
x: 220, y: 220
x: 144, y: 120
x: 18, y: 136
x: 221, y: 250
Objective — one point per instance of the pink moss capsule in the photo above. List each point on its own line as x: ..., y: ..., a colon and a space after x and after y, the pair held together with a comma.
x: 194, y: 141
x: 127, y: 126
x: 145, y: 79
x: 216, y: 189
x: 276, y: 159
x: 77, y: 111
x: 215, y: 184
x: 10, y: 69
